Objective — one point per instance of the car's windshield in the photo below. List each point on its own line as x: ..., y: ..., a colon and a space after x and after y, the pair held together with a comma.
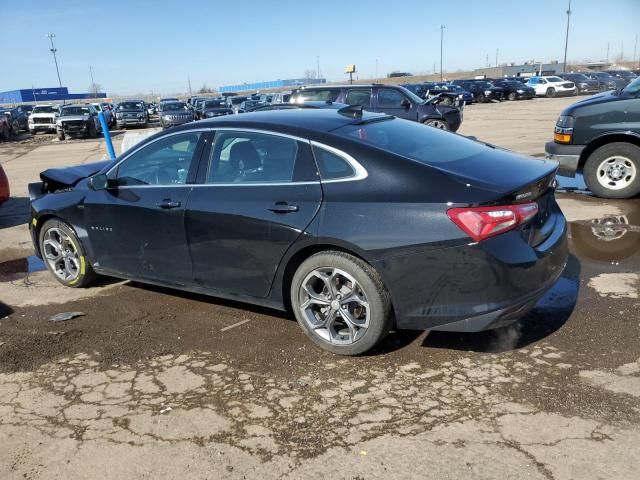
x: 484, y: 84
x: 513, y: 84
x: 412, y: 96
x: 237, y: 100
x: 413, y: 140
x: 603, y: 75
x: 131, y: 106
x: 633, y: 88
x: 45, y: 109
x: 213, y: 104
x: 577, y: 77
x: 174, y: 106
x: 75, y: 111
x: 554, y: 79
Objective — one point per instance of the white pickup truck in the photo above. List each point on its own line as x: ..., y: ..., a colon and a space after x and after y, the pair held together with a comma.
x: 43, y: 118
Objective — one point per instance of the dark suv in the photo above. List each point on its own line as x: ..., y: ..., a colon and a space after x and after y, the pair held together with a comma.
x: 600, y: 137
x: 583, y: 83
x: 390, y: 99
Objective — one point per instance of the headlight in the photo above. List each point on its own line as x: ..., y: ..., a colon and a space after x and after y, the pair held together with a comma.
x: 59, y: 123
x: 141, y: 115
x: 520, y: 91
x: 487, y: 92
x: 563, y: 132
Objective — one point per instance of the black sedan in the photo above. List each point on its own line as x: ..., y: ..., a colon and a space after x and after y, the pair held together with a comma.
x: 357, y: 222
x: 514, y: 90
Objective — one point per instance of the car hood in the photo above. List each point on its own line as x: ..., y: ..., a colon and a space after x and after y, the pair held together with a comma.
x: 66, y: 118
x: 516, y: 171
x: 69, y: 176
x: 597, y: 99
x: 42, y: 115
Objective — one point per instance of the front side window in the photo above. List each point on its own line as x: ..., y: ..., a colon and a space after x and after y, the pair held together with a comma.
x: 388, y: 98
x: 164, y: 162
x: 359, y: 96
x: 248, y: 157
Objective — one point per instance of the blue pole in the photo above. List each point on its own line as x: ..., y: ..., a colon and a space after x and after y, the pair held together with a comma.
x: 107, y: 135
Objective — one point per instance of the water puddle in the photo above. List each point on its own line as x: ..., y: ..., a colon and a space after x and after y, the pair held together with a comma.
x: 18, y: 268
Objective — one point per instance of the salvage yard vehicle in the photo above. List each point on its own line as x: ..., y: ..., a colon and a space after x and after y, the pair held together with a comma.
x: 583, y: 83
x: 78, y: 120
x: 214, y: 108
x: 552, y: 86
x: 514, y: 90
x: 5, y: 128
x: 43, y: 118
x: 17, y: 120
x: 175, y: 113
x: 391, y: 99
x: 600, y: 137
x: 131, y: 112
x: 427, y: 90
x: 307, y: 209
x: 606, y: 80
x: 108, y: 116
x: 482, y: 90
x: 5, y: 192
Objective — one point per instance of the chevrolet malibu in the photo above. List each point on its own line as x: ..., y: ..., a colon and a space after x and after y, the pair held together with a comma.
x: 357, y: 223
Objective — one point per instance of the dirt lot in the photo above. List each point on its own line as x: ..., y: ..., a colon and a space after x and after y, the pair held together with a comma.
x: 152, y: 382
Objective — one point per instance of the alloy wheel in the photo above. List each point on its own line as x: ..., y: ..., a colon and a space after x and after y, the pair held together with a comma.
x: 437, y: 124
x: 334, y: 306
x: 616, y: 172
x: 61, y: 254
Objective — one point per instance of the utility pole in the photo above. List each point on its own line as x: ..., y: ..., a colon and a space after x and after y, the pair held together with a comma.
x: 635, y: 50
x: 55, y: 59
x: 486, y: 60
x: 442, y: 27
x: 318, y: 67
x: 497, y: 57
x: 606, y: 63
x: 566, y: 39
x: 376, y: 68
x: 189, y: 80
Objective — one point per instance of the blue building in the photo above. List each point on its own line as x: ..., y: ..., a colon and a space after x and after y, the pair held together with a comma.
x: 292, y: 83
x: 45, y: 95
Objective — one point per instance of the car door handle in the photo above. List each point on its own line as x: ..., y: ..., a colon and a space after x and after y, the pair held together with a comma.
x: 168, y: 204
x: 283, y: 207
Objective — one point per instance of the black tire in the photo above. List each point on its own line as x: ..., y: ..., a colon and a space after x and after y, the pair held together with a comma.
x: 91, y: 130
x: 379, y: 302
x: 481, y: 98
x: 576, y: 92
x: 61, y: 136
x: 628, y: 151
x: 85, y: 275
x: 550, y: 93
x: 512, y: 96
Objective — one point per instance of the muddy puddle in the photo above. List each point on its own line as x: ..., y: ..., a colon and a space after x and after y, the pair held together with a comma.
x: 20, y: 267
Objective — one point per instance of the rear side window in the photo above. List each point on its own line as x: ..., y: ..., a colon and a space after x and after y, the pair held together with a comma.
x: 359, y: 97
x: 413, y: 140
x: 331, y: 165
x: 321, y: 95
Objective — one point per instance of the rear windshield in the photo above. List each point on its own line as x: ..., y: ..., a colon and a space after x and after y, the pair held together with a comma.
x: 413, y: 140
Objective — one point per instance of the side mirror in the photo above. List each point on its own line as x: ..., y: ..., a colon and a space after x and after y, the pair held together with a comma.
x: 405, y: 103
x: 99, y: 182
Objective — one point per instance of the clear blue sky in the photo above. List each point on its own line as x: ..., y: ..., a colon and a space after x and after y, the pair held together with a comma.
x: 139, y: 46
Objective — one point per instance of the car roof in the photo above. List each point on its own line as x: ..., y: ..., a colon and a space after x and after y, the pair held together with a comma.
x: 288, y: 120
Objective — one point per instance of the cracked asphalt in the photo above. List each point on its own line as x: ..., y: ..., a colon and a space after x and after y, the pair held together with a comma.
x: 151, y: 382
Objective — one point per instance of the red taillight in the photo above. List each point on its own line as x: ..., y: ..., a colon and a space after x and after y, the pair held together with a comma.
x: 484, y: 222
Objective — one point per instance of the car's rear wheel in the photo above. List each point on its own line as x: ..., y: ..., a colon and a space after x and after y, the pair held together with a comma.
x: 63, y: 254
x: 91, y: 130
x: 340, y: 303
x: 435, y: 123
x: 481, y: 98
x: 613, y: 170
x: 512, y: 96
x: 551, y: 92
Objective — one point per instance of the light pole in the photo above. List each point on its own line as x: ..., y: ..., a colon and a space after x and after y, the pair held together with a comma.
x: 318, y: 67
x: 94, y: 90
x: 566, y: 39
x: 442, y: 27
x: 55, y: 59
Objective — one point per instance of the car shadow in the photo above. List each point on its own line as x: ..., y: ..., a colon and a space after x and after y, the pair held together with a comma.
x: 15, y: 211
x: 549, y: 315
x: 5, y: 310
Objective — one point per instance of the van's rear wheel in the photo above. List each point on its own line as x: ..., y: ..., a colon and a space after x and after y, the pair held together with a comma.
x: 340, y: 303
x: 613, y: 170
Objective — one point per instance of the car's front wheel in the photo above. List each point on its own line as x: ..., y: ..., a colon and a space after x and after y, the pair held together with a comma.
x: 63, y: 254
x: 512, y: 96
x: 551, y: 92
x: 436, y: 123
x: 613, y: 170
x: 340, y: 303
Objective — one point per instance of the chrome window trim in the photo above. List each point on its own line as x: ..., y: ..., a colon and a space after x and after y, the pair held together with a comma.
x: 361, y: 172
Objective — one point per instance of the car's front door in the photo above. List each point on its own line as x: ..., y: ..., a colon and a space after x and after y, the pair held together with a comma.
x: 258, y: 193
x: 395, y: 103
x: 136, y: 225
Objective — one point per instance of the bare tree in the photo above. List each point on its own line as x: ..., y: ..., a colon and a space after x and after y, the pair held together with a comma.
x: 310, y: 73
x: 95, y: 88
x: 205, y: 89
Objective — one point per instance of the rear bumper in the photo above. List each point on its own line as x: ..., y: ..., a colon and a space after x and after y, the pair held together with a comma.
x: 568, y: 156
x: 478, y: 286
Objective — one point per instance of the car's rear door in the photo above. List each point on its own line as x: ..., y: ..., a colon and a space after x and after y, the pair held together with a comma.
x: 258, y: 191
x: 136, y: 226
